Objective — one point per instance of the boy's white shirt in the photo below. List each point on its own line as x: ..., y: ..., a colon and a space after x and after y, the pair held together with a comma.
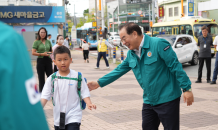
x: 73, y: 111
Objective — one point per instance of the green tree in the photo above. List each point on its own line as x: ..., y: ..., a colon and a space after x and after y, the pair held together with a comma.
x: 105, y: 16
x: 81, y: 23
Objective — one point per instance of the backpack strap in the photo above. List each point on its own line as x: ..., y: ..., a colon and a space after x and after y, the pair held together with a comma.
x: 52, y: 91
x: 53, y: 77
x: 79, y: 88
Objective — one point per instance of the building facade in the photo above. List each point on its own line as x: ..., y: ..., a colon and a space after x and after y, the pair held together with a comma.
x: 208, y: 9
x: 172, y: 9
x: 136, y: 11
x: 22, y: 3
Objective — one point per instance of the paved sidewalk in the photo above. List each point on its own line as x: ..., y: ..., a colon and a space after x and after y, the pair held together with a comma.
x: 119, y: 104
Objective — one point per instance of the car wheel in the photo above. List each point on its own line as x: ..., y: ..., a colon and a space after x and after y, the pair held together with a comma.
x: 212, y: 55
x: 194, y: 59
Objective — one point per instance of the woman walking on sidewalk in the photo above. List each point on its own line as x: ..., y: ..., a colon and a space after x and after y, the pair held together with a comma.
x: 60, y: 41
x: 85, y: 49
x: 42, y: 48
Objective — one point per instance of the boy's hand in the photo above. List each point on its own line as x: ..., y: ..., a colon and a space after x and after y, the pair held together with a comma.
x: 90, y: 106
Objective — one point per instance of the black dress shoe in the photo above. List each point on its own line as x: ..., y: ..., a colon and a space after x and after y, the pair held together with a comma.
x: 198, y: 81
x: 213, y: 82
x: 208, y: 81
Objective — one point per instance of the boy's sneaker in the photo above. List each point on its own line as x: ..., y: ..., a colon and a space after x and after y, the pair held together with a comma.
x: 96, y: 67
x: 108, y: 67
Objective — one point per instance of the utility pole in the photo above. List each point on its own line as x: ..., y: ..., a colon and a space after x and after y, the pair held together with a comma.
x: 96, y: 12
x: 118, y: 19
x: 149, y: 10
x: 182, y: 10
x: 153, y: 12
x: 63, y: 4
x: 74, y: 20
x: 102, y: 15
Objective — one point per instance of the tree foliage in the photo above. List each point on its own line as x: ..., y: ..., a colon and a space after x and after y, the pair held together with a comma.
x: 88, y: 16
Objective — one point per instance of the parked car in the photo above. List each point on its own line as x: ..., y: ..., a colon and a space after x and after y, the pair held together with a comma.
x: 184, y: 46
x: 115, y: 40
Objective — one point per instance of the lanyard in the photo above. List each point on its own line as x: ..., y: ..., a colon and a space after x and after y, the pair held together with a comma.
x: 59, y: 95
x: 205, y: 40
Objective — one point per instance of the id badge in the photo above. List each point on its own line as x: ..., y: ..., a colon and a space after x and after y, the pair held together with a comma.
x: 62, y: 120
x: 205, y: 45
x: 100, y: 46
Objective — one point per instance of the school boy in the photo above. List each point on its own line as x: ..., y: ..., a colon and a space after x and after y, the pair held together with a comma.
x: 63, y: 85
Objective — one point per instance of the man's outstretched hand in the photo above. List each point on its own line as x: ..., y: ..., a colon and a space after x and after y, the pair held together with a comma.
x: 93, y: 85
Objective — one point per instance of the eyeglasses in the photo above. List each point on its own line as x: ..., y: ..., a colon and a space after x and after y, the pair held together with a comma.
x: 123, y: 40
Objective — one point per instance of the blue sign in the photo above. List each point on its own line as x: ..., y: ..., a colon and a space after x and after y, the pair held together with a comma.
x: 190, y: 7
x: 32, y: 14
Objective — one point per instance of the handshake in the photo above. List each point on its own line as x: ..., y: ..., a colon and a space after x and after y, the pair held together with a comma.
x: 93, y: 85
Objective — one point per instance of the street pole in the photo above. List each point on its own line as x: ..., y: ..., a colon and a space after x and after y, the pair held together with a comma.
x: 74, y: 20
x: 157, y: 9
x: 96, y: 12
x: 113, y: 21
x: 63, y: 4
x: 182, y: 8
x: 149, y: 10
x: 118, y: 9
x: 102, y: 16
x: 153, y: 12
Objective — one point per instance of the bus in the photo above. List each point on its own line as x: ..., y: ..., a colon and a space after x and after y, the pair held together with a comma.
x: 89, y: 34
x: 187, y: 25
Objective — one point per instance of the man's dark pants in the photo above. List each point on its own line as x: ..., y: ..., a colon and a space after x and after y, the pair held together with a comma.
x: 215, y: 72
x: 167, y: 113
x: 100, y: 54
x: 201, y: 65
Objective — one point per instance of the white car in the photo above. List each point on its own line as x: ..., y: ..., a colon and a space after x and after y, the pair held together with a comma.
x: 184, y: 46
x: 115, y: 40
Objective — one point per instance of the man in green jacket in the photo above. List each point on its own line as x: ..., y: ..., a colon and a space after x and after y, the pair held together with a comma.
x: 20, y: 107
x: 159, y: 74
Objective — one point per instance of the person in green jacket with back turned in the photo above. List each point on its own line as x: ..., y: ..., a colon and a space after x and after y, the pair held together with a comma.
x: 159, y: 74
x: 20, y: 107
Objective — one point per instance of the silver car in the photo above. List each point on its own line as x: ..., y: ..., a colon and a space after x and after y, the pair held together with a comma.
x: 114, y: 40
x: 184, y: 46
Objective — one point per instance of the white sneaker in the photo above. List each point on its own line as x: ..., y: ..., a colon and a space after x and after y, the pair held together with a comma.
x: 96, y: 67
x: 108, y: 67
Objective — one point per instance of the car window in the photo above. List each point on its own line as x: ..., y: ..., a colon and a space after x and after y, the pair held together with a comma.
x: 188, y: 40
x: 117, y: 37
x: 184, y: 40
x: 180, y: 41
x: 170, y: 40
x: 186, y: 29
